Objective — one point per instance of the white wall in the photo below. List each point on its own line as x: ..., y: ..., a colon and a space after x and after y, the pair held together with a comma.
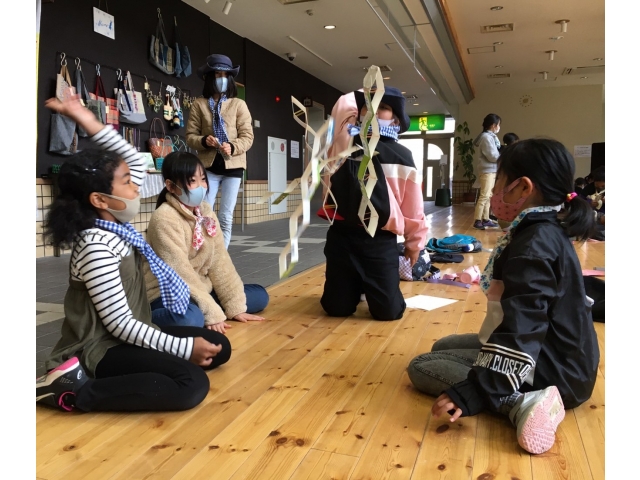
x: 571, y: 115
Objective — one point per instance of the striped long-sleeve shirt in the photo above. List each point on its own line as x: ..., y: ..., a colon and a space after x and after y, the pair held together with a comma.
x: 96, y: 258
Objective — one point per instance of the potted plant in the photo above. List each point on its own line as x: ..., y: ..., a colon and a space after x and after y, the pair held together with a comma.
x: 465, y: 150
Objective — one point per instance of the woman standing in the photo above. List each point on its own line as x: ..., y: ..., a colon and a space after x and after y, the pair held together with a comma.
x: 488, y: 145
x: 219, y: 129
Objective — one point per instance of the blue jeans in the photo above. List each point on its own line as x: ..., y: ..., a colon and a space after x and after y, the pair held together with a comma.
x: 229, y: 187
x: 257, y: 300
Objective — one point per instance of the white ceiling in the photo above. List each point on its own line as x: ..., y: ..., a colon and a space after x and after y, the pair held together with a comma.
x: 360, y: 30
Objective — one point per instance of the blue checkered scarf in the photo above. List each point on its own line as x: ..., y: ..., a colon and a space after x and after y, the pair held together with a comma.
x: 174, y: 291
x: 501, y: 244
x: 391, y: 131
x: 219, y: 130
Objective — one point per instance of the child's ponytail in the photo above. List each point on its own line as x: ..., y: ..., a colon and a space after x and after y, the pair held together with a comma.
x: 579, y: 219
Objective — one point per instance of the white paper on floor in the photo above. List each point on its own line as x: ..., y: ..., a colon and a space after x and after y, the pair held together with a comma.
x: 426, y: 302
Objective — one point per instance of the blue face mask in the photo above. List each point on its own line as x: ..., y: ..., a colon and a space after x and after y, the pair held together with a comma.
x: 221, y: 84
x: 194, y: 197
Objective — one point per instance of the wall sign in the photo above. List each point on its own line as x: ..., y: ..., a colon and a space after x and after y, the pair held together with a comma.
x: 103, y: 23
x: 582, y: 151
x: 427, y: 123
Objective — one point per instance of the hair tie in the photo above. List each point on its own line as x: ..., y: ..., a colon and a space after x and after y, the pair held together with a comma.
x: 571, y: 196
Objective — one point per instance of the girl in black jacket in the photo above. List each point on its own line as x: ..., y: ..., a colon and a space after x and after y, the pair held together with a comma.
x: 537, y: 351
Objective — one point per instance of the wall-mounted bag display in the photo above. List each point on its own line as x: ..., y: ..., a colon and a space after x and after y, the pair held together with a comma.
x: 63, y: 80
x: 63, y: 137
x: 161, y: 55
x: 97, y: 106
x: 183, y: 57
x: 81, y: 90
x: 159, y: 146
x: 112, y: 115
x: 130, y: 102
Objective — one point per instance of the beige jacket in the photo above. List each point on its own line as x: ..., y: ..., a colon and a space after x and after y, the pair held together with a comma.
x: 170, y: 234
x: 238, y: 123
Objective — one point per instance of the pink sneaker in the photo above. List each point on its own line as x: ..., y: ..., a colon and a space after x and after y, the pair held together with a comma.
x: 536, y: 417
x: 65, y: 379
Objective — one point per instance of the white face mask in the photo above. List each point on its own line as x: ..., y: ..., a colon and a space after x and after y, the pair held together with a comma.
x: 131, y: 209
x: 382, y: 123
x: 497, y: 129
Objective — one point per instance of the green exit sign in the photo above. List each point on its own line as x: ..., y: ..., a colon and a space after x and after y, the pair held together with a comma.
x: 427, y: 123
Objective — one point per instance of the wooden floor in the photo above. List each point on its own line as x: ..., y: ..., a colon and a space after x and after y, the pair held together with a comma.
x: 306, y: 396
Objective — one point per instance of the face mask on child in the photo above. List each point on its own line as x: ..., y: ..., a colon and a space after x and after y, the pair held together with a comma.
x: 132, y: 207
x: 381, y: 123
x: 506, y: 211
x: 194, y: 197
x: 221, y: 84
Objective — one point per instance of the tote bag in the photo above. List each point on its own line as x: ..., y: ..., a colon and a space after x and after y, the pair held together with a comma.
x: 130, y: 103
x: 159, y: 145
x: 161, y: 55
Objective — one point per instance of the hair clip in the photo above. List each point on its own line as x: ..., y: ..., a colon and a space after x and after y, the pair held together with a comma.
x: 571, y: 196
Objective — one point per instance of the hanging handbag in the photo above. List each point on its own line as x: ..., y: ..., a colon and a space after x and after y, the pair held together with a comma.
x: 63, y: 137
x: 128, y: 103
x: 183, y: 58
x: 161, y: 55
x: 97, y: 106
x: 159, y: 146
x: 112, y: 116
x: 167, y: 110
x: 63, y: 80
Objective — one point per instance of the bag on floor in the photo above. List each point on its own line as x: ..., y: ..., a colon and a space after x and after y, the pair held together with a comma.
x: 454, y: 244
x: 419, y: 270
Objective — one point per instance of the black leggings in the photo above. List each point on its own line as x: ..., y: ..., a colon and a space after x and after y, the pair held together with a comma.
x: 131, y: 378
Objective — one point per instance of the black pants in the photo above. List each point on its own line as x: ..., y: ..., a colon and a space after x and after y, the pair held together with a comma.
x: 131, y: 378
x: 357, y: 263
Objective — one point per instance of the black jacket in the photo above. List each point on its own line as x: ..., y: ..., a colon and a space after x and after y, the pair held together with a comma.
x: 546, y: 326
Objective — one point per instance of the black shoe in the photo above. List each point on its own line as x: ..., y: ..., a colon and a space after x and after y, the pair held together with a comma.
x: 66, y: 379
x: 493, y: 217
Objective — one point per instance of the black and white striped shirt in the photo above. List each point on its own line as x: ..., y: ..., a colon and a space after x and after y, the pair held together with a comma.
x: 96, y: 258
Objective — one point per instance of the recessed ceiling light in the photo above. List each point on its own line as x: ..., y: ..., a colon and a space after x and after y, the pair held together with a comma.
x: 598, y: 59
x: 499, y: 83
x: 425, y: 112
x: 498, y: 43
x: 403, y: 93
x: 556, y: 38
x: 584, y: 77
x: 386, y: 78
x: 497, y: 7
x: 363, y: 57
x: 499, y: 66
x: 329, y: 27
x: 416, y: 104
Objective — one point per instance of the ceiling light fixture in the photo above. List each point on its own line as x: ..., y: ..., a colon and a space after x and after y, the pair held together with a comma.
x: 598, y: 59
x: 363, y: 57
x: 227, y: 7
x: 544, y: 75
x: 559, y: 37
x: 551, y: 53
x: 329, y: 27
x: 425, y: 112
x: 584, y: 77
x: 497, y: 7
x: 416, y: 104
x: 434, y: 92
x: 499, y: 66
x: 403, y: 93
x: 386, y: 78
x: 498, y: 43
x: 563, y: 25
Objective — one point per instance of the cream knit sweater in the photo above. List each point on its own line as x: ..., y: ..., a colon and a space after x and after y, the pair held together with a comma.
x: 170, y: 233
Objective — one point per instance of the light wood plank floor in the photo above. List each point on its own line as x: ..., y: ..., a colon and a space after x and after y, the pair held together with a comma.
x: 306, y: 396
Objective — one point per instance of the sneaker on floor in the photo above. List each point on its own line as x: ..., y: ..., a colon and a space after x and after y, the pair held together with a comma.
x: 64, y: 380
x: 489, y: 224
x: 536, y: 416
x: 478, y: 224
x: 493, y: 217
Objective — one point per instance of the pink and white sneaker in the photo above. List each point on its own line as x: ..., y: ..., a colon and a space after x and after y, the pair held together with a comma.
x: 54, y: 387
x: 536, y: 417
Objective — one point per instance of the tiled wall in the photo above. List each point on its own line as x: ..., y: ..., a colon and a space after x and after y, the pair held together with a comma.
x: 253, y: 213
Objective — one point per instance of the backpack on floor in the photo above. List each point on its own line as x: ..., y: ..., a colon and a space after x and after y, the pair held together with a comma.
x: 422, y: 269
x: 454, y: 244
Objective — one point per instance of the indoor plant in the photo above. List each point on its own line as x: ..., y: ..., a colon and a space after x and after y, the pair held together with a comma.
x: 465, y: 151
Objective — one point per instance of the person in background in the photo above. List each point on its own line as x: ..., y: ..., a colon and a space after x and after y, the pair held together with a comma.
x: 488, y: 147
x: 510, y: 138
x: 220, y: 129
x: 579, y: 185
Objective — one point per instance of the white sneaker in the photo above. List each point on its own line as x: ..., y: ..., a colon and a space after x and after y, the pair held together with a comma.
x: 536, y: 417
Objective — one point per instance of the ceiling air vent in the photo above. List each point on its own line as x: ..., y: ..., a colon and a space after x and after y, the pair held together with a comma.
x: 501, y: 27
x: 383, y: 68
x: 499, y: 75
x: 584, y: 70
x: 291, y: 2
x: 474, y: 50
